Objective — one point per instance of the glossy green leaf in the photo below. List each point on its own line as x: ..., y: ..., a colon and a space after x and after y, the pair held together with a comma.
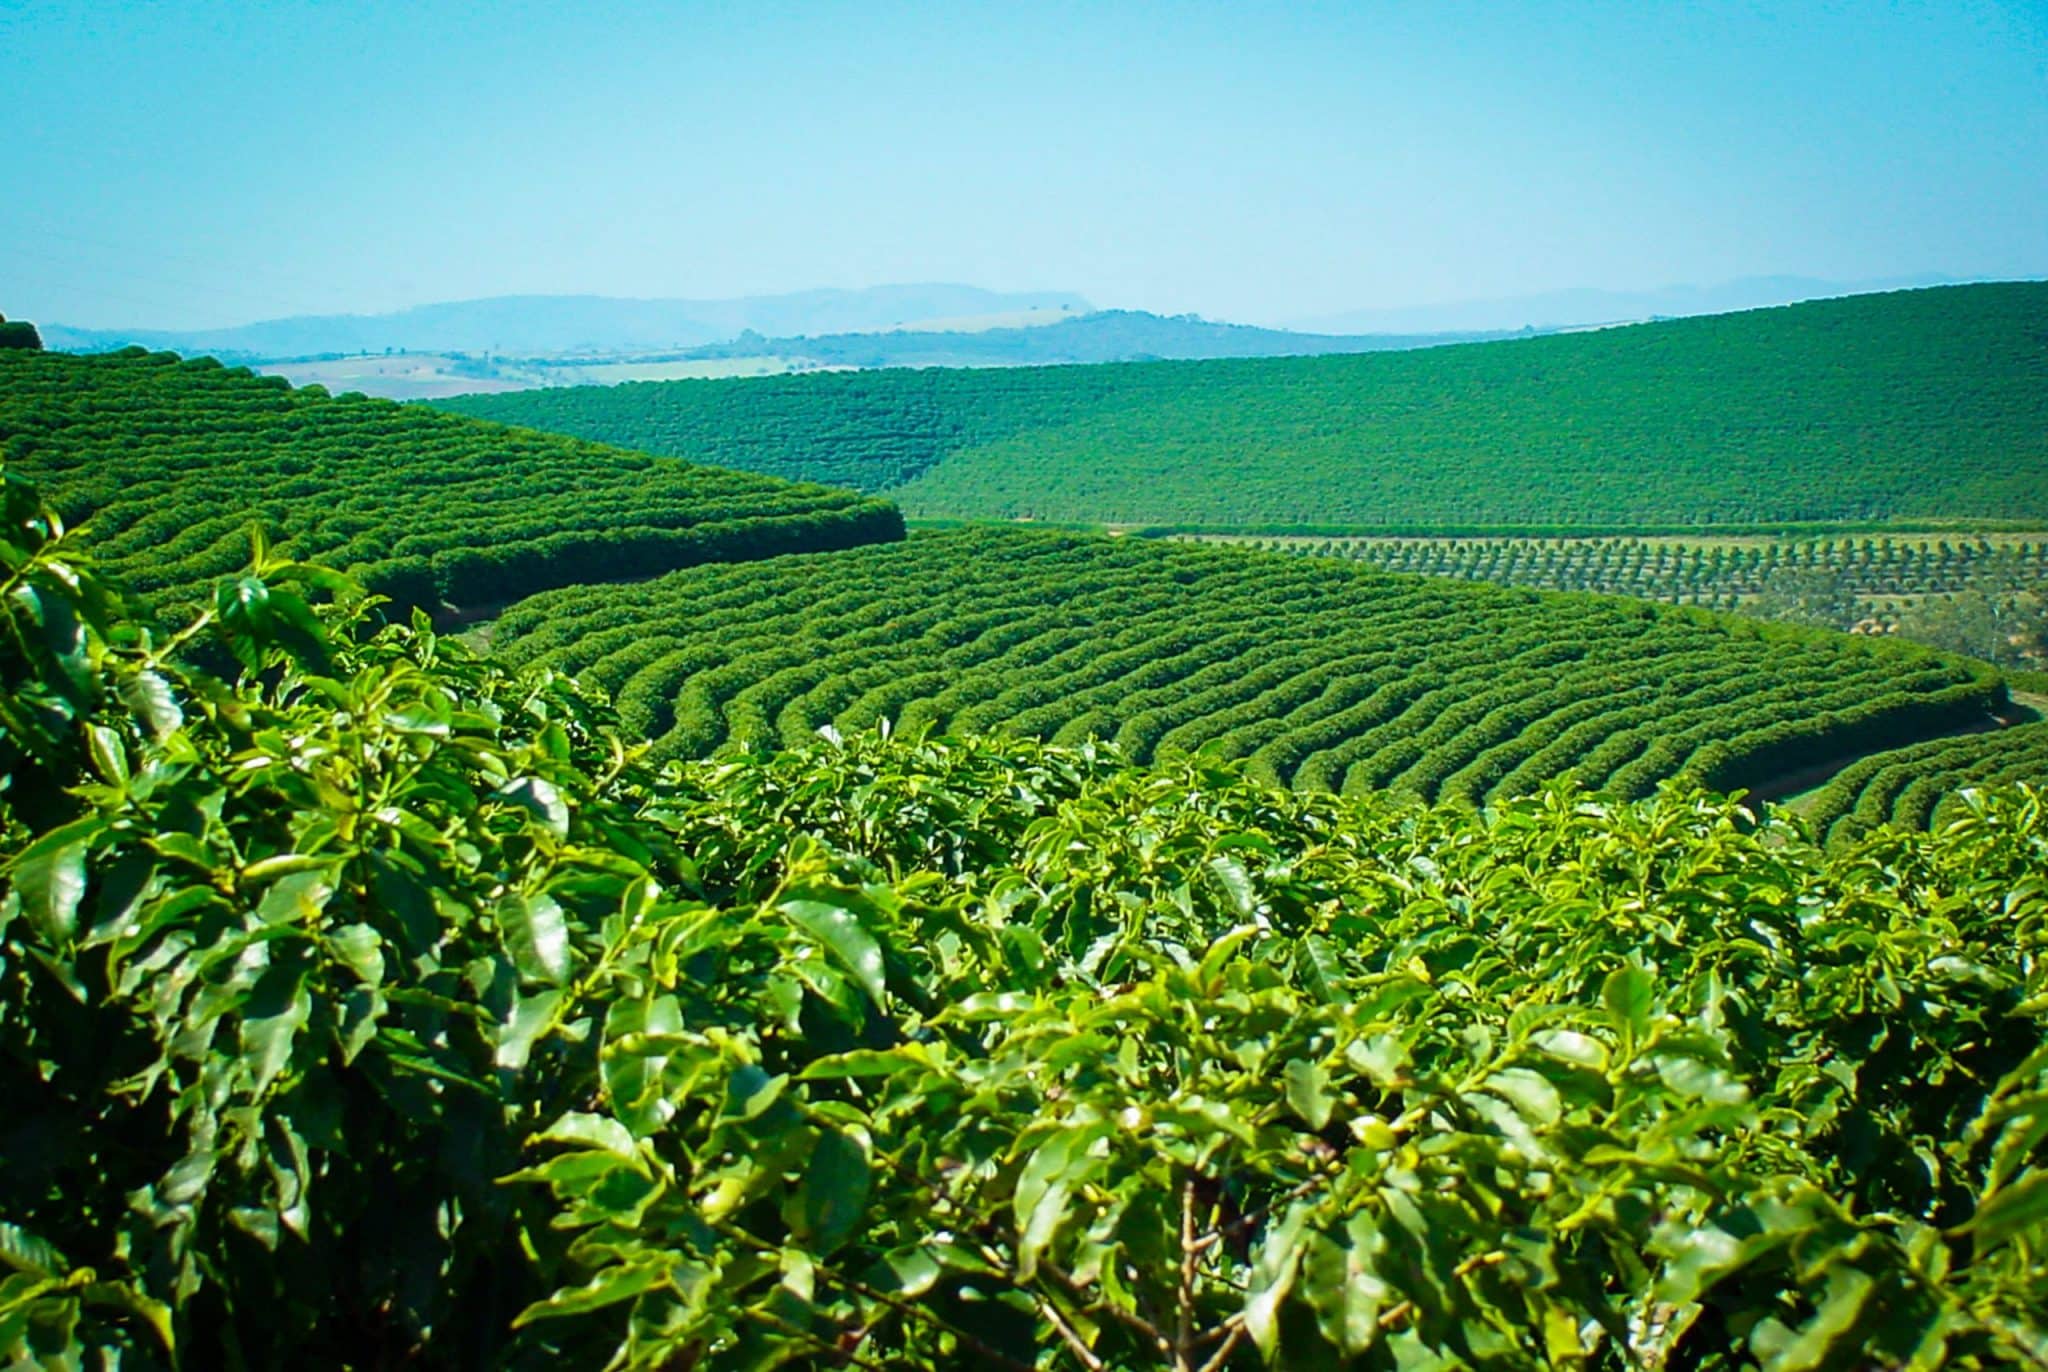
x: 536, y: 934
x: 839, y: 932
x: 50, y: 879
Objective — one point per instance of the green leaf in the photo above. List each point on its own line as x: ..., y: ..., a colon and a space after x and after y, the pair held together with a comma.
x: 150, y: 700
x: 25, y: 1252
x: 595, y: 1131
x: 1224, y: 949
x: 278, y: 1009
x: 1320, y: 969
x: 360, y: 948
x: 536, y: 935
x: 109, y: 757
x: 1237, y: 884
x: 1833, y: 1333
x: 839, y: 932
x: 530, y: 1018
x: 991, y: 1005
x: 295, y: 899
x: 906, y: 1272
x: 1698, y: 1080
x: 1341, y: 1284
x: 51, y: 881
x: 1272, y: 1276
x: 1308, y: 1092
x: 1044, y: 1187
x: 1534, y: 1097
x: 750, y: 1092
x: 1382, y: 1057
x: 609, y: 1287
x: 2017, y: 1209
x: 833, y: 1194
x: 1630, y: 997
x: 540, y: 799
x: 862, y: 1062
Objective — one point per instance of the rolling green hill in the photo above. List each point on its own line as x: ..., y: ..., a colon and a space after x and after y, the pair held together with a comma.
x: 1324, y: 676
x: 1911, y: 405
x: 173, y: 461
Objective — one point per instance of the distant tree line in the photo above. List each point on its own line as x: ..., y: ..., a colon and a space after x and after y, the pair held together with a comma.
x: 19, y: 333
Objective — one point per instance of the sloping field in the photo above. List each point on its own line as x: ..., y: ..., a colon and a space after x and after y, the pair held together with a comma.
x: 1920, y: 785
x: 1327, y: 677
x: 1929, y: 404
x: 175, y: 460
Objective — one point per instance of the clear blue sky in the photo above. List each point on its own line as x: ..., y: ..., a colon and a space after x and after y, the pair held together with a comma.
x: 191, y: 164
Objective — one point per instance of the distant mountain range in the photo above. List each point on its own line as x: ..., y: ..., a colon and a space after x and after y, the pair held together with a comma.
x: 1099, y: 336
x: 1578, y: 308
x: 530, y: 325
x: 515, y: 342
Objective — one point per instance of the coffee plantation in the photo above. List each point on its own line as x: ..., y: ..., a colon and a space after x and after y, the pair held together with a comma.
x: 1323, y: 676
x: 374, y: 1004
x: 173, y: 460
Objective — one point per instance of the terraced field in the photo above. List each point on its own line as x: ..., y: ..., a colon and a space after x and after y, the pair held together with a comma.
x: 1919, y: 784
x: 1325, y: 676
x: 174, y: 460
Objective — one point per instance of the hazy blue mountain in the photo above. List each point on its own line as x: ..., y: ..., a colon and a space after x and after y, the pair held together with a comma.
x: 1103, y: 336
x: 552, y: 324
x: 1574, y: 308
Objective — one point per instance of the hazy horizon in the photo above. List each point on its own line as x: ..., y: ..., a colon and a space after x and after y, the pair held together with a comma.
x: 189, y: 168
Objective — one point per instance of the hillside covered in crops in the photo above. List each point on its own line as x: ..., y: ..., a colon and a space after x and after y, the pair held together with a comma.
x: 1921, y: 405
x: 372, y: 999
x: 174, y: 460
x: 1322, y: 675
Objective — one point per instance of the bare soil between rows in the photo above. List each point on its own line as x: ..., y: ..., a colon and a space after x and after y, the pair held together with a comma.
x: 1794, y: 785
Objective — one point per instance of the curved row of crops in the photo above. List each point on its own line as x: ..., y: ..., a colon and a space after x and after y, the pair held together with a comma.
x: 1325, y: 677
x: 1920, y: 785
x: 1917, y: 404
x: 174, y: 460
x: 375, y: 1002
x: 1721, y: 574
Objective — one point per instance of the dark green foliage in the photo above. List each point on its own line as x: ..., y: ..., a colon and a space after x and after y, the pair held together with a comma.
x: 1922, y: 785
x: 174, y: 461
x: 1324, y: 676
x: 379, y: 1008
x: 19, y: 333
x: 1916, y: 404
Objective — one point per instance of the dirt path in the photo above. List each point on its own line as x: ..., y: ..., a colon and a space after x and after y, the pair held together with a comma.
x: 1795, y: 786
